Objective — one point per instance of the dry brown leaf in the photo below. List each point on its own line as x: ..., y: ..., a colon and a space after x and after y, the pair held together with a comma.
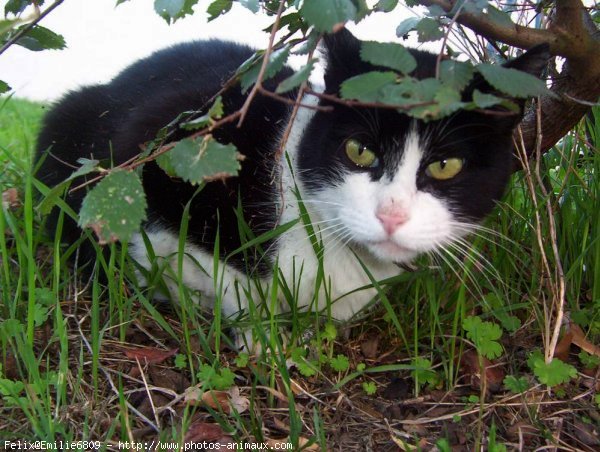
x: 588, y: 434
x: 581, y: 342
x: 564, y: 346
x: 238, y: 402
x: 277, y: 394
x: 217, y: 400
x: 224, y: 401
x: 369, y: 347
x: 149, y: 355
x: 204, y: 431
x: 523, y: 430
x: 164, y: 377
x: 470, y: 366
x: 10, y: 199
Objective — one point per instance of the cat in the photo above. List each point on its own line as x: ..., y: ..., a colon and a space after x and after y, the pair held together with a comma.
x: 379, y: 187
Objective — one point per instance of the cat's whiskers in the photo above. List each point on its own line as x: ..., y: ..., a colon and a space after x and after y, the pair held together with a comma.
x: 486, y: 268
x: 484, y: 232
x: 445, y: 252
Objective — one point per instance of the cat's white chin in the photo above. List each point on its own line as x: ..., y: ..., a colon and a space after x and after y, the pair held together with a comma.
x: 389, y: 250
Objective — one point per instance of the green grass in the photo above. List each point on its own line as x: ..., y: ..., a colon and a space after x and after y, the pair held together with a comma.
x: 68, y: 369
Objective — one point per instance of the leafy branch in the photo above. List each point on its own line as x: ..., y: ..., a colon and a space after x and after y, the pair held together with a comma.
x: 571, y: 34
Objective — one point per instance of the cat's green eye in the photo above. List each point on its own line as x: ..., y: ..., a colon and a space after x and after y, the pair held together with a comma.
x: 360, y: 155
x: 445, y: 169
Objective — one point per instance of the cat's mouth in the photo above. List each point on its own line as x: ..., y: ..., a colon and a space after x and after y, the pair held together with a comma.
x: 391, y: 250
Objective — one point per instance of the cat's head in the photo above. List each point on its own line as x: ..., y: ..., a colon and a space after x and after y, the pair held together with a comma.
x: 397, y: 186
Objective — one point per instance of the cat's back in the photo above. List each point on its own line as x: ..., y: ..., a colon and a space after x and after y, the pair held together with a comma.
x: 111, y: 120
x: 202, y: 66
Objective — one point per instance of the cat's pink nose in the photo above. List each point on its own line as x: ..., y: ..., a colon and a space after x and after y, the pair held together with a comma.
x: 392, y: 219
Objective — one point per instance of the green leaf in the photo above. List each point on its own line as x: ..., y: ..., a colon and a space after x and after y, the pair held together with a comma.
x: 87, y: 166
x: 369, y: 387
x: 329, y: 332
x: 516, y: 385
x: 406, y: 25
x: 242, y: 359
x: 252, y: 5
x: 448, y: 100
x: 180, y: 361
x: 499, y: 17
x: 296, y: 79
x: 392, y: 55
x: 554, y: 373
x: 164, y: 163
x: 205, y: 160
x: 215, y: 112
x: 4, y: 87
x: 386, y: 5
x: 484, y: 335
x: 10, y: 388
x: 171, y: 10
x: 469, y: 6
x: 429, y: 30
x: 436, y: 11
x: 40, y: 314
x: 6, y: 26
x: 340, y: 363
x: 360, y: 367
x: 423, y: 372
x: 410, y: 91
x: 305, y: 367
x: 216, y: 379
x: 325, y: 15
x: 40, y: 38
x: 589, y: 361
x: 277, y: 60
x: 455, y: 73
x: 443, y: 445
x: 362, y: 10
x: 16, y: 6
x: 115, y: 207
x: 224, y: 379
x: 367, y: 87
x: 217, y: 8
x: 483, y: 100
x: 45, y: 296
x: 512, y: 81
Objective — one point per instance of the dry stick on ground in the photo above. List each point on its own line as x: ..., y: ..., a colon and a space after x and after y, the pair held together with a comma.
x: 573, y: 35
x: 522, y: 153
x: 557, y: 284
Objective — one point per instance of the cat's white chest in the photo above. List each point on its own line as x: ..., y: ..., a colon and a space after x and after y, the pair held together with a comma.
x: 331, y: 271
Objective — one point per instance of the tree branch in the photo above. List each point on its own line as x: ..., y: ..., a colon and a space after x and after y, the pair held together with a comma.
x: 571, y: 34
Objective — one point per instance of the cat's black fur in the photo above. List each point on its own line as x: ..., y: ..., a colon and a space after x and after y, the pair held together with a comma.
x: 111, y: 121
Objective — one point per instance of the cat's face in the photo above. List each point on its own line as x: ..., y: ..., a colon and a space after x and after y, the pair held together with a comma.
x: 396, y: 186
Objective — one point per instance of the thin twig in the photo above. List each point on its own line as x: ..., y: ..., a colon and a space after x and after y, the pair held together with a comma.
x: 557, y: 292
x: 292, y: 102
x: 263, y: 67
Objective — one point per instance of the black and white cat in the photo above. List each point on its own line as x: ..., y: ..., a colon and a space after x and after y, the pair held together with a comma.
x: 377, y: 184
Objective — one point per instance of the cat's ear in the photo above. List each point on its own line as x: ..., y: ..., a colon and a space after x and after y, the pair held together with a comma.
x: 534, y: 61
x: 342, y: 54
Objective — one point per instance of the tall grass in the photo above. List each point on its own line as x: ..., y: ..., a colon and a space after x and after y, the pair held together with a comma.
x: 64, y: 374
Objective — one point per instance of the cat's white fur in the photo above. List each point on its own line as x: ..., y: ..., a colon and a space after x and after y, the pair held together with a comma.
x: 343, y: 212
